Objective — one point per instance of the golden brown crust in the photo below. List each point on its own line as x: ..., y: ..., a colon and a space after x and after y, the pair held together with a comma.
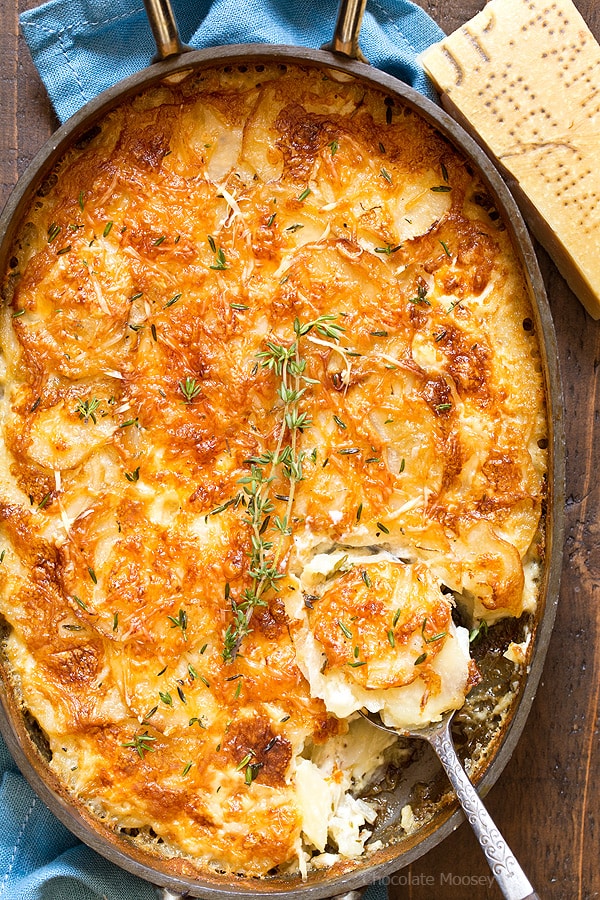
x: 198, y: 224
x: 356, y: 627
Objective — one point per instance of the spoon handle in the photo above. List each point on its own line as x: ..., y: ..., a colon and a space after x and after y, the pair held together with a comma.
x: 508, y: 873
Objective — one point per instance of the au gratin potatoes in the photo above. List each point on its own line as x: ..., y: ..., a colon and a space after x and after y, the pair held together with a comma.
x: 272, y: 434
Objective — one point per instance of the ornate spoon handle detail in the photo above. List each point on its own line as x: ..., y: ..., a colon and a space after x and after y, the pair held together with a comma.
x: 507, y: 871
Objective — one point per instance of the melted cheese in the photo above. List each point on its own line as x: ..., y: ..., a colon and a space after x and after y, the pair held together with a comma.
x: 378, y: 634
x: 202, y: 224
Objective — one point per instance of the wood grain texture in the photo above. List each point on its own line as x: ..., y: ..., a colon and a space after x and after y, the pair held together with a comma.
x: 8, y: 98
x: 547, y: 800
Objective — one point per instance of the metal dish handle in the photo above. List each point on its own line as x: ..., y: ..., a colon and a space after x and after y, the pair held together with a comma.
x: 164, y: 29
x: 344, y: 41
x: 347, y: 30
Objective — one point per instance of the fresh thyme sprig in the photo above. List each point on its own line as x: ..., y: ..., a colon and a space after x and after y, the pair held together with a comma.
x: 285, y: 461
x: 190, y: 389
x: 180, y: 621
x: 141, y: 743
x: 86, y: 409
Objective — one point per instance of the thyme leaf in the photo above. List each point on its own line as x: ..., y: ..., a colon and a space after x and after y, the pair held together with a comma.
x: 433, y: 638
x: 141, y: 743
x: 86, y: 409
x: 190, y: 389
x: 180, y: 621
x: 220, y: 260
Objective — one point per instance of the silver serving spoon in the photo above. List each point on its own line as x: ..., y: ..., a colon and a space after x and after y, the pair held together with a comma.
x: 508, y: 873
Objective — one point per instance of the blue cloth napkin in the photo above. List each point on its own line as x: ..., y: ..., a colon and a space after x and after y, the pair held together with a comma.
x: 81, y: 47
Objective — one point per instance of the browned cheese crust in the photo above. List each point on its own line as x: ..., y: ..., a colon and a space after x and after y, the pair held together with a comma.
x: 194, y: 226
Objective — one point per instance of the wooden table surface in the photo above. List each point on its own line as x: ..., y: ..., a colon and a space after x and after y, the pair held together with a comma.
x: 547, y: 801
